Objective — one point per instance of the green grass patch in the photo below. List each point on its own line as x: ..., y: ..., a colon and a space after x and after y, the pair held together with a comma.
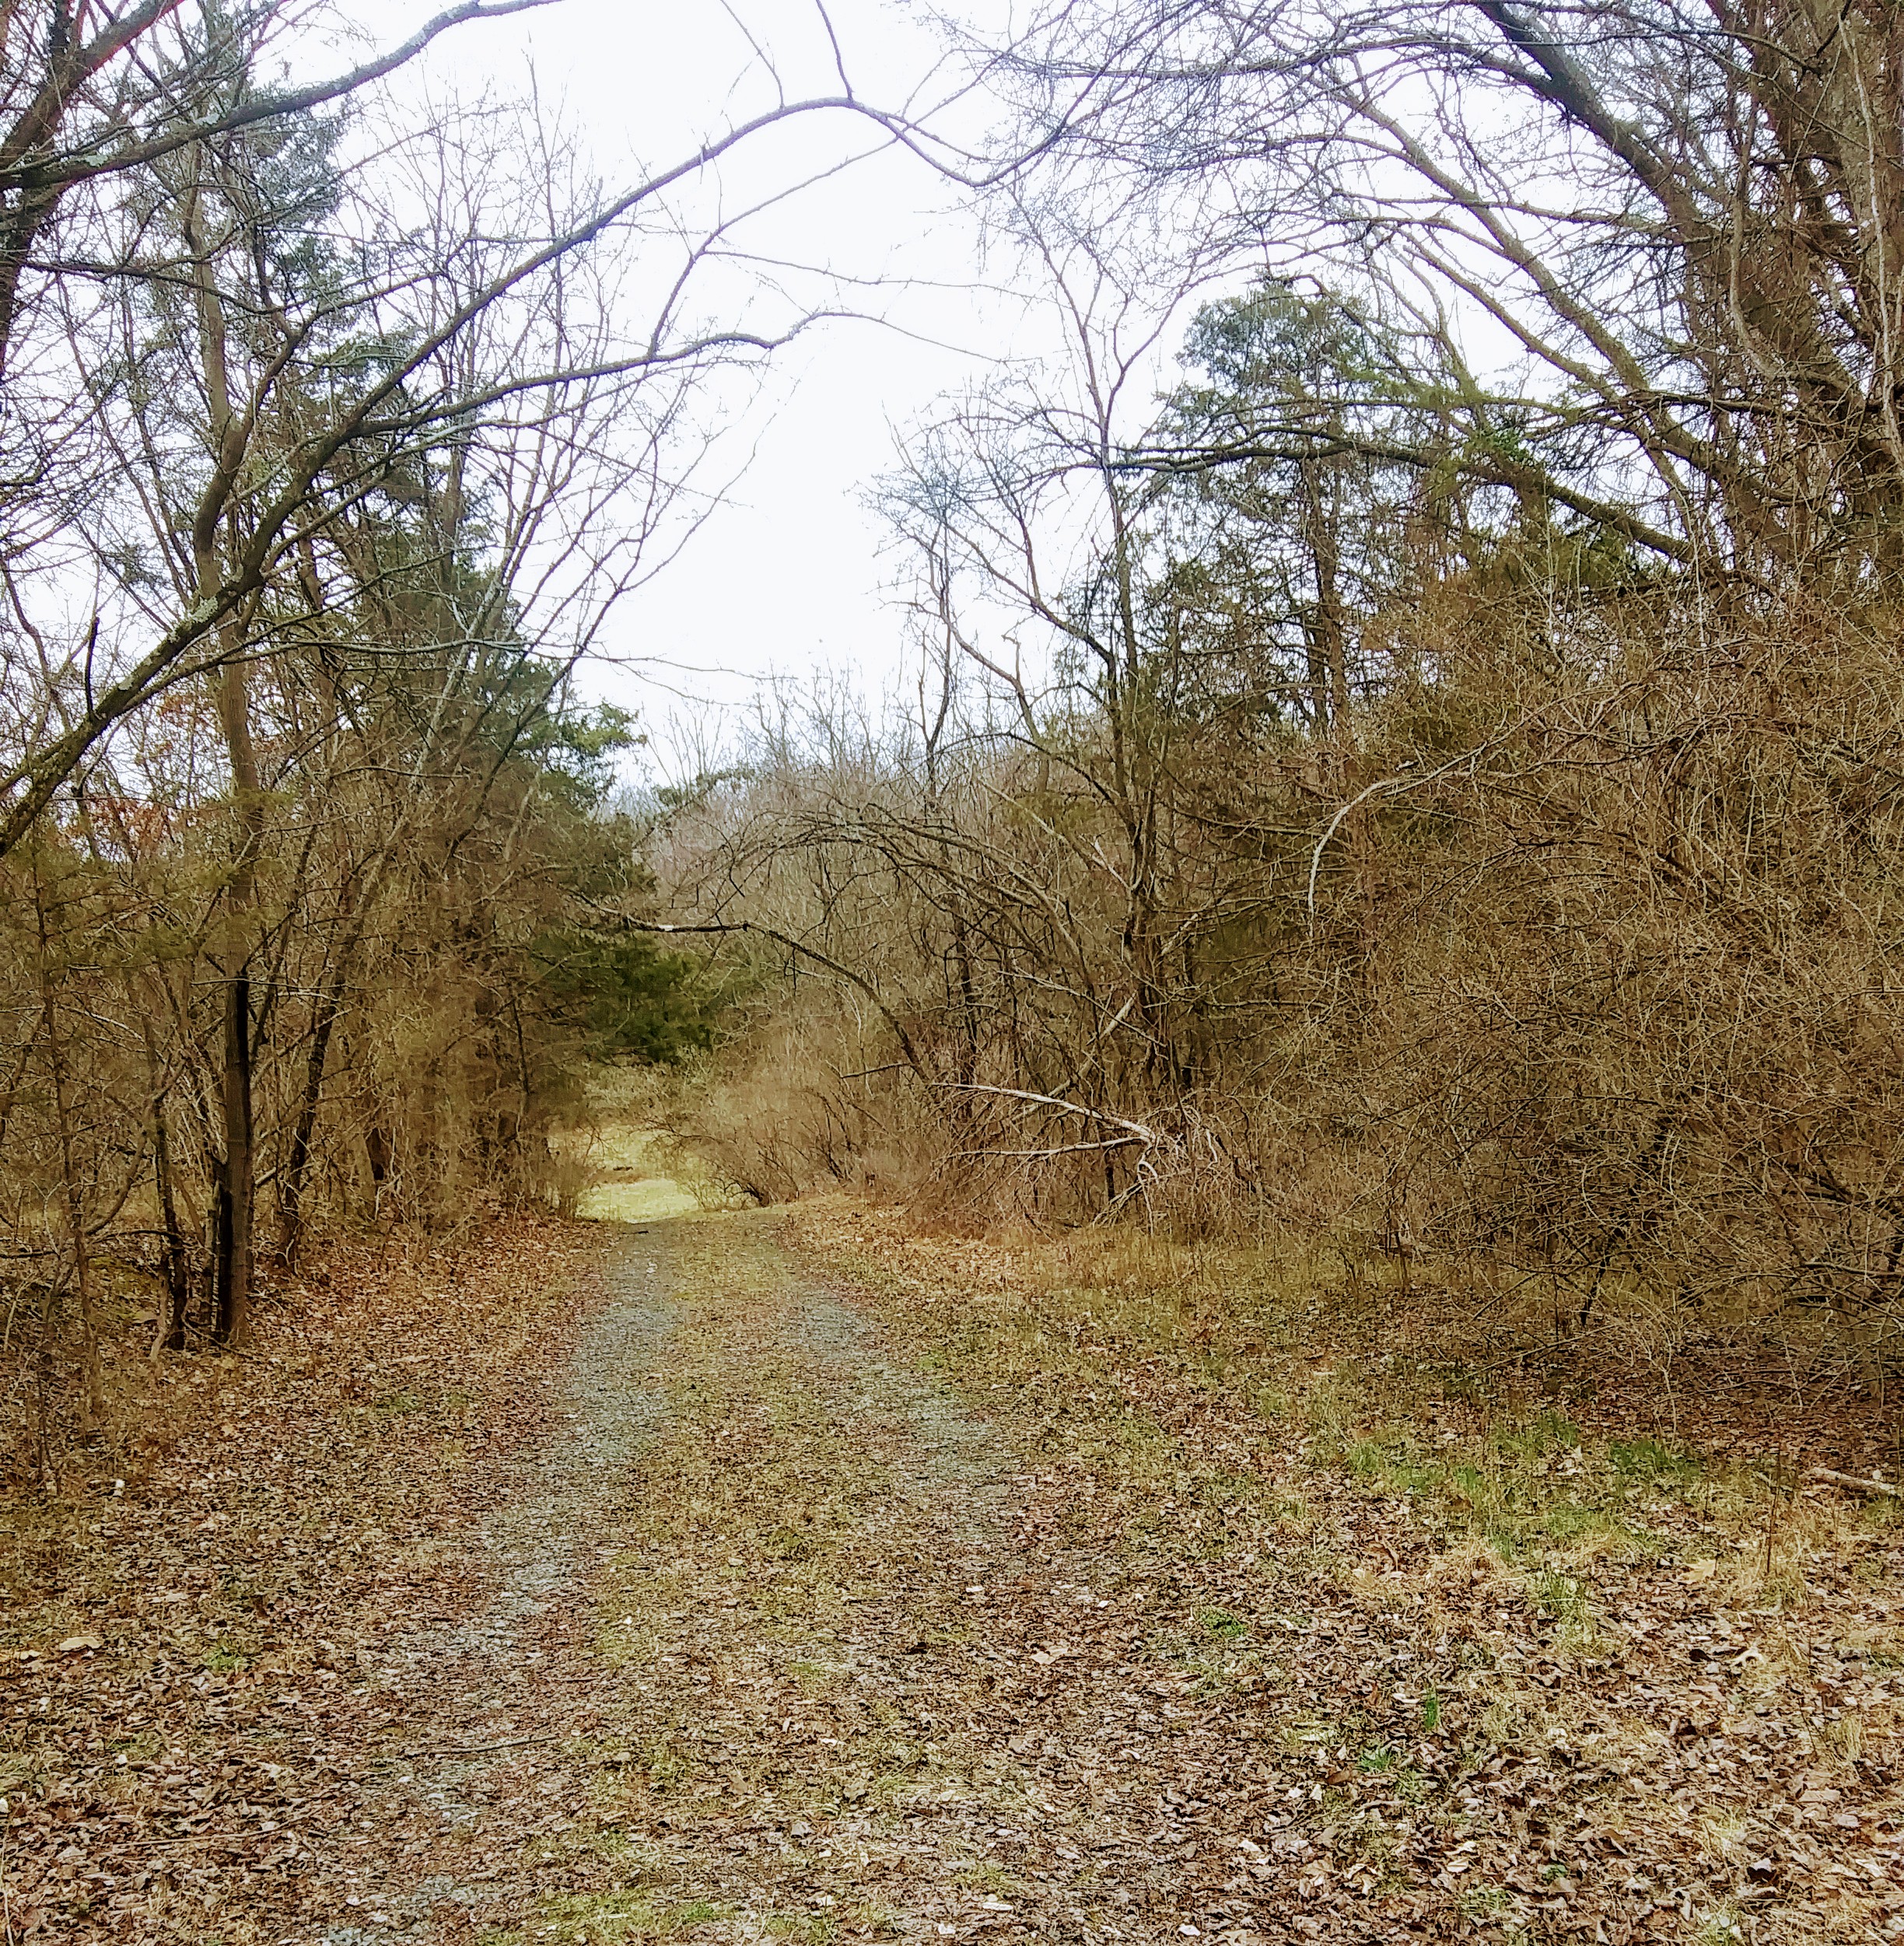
x: 815, y: 1928
x: 1548, y: 1433
x: 1562, y: 1597
x: 631, y: 1913
x: 1648, y: 1460
x: 1390, y: 1459
x: 1569, y: 1521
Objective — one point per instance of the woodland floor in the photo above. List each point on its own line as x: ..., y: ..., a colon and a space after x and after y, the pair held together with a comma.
x: 785, y: 1575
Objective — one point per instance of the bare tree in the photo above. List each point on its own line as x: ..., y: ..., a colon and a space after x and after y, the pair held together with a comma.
x: 1683, y: 218
x: 86, y: 96
x: 298, y: 470
x: 345, y: 438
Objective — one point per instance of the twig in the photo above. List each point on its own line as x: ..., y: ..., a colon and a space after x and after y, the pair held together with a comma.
x: 1851, y: 1479
x: 1045, y: 1155
x: 1382, y: 785
x: 6, y: 1895
x: 481, y: 1749
x: 1137, y: 1130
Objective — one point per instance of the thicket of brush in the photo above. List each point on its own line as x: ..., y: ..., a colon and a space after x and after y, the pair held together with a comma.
x: 421, y: 999
x: 1573, y: 969
x: 1453, y: 817
x: 1448, y: 813
x: 328, y: 442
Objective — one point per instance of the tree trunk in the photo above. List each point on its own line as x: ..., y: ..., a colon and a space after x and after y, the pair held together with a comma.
x: 175, y: 1271
x: 1328, y: 658
x: 73, y: 1190
x: 231, y: 1268
x: 297, y: 1164
x: 231, y: 1271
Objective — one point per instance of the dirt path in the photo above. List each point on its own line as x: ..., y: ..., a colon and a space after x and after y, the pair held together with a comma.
x: 785, y: 1642
x: 1162, y: 1626
x: 737, y: 1674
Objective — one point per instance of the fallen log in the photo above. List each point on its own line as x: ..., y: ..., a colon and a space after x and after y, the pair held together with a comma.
x: 1851, y: 1479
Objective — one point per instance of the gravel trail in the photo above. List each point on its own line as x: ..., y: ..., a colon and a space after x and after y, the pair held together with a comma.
x: 734, y: 1680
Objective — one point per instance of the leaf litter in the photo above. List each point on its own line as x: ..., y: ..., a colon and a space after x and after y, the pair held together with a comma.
x: 805, y: 1577
x: 191, y: 1634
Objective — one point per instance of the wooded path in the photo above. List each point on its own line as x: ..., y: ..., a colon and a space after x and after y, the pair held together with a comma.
x: 791, y: 1575
x: 741, y: 1667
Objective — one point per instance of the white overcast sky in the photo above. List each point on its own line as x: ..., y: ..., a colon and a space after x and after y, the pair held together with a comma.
x: 788, y: 575
x: 785, y: 576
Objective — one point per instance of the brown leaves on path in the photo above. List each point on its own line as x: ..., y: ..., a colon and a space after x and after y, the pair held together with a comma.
x: 1450, y: 1669
x: 187, y: 1632
x: 808, y: 1579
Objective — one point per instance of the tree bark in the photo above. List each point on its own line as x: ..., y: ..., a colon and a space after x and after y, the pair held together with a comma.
x: 176, y: 1274
x: 232, y: 1262
x: 174, y: 1269
x: 231, y: 1304
x: 297, y: 1164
